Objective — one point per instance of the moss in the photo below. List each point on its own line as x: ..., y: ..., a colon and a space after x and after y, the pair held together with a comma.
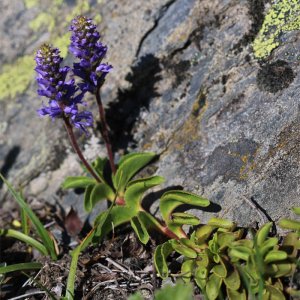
x: 284, y: 16
x: 31, y: 3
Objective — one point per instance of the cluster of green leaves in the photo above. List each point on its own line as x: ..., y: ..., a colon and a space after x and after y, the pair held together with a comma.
x: 130, y: 197
x: 220, y: 260
x: 179, y: 291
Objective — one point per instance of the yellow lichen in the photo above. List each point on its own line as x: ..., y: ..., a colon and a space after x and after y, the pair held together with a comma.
x: 31, y: 3
x: 188, y: 132
x: 284, y: 16
x: 16, y: 77
x: 249, y: 162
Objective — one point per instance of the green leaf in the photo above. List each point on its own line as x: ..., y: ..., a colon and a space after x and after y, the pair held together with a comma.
x: 284, y: 268
x: 129, y: 165
x: 172, y: 199
x: 75, y: 253
x: 148, y: 220
x: 160, y: 256
x: 178, y: 247
x: 201, y: 277
x: 43, y: 234
x: 136, y: 188
x: 232, y: 280
x: 223, y: 223
x: 225, y: 238
x: 23, y: 216
x: 274, y: 255
x: 268, y: 244
x: 87, y: 196
x: 262, y: 233
x: 41, y: 286
x: 296, y: 210
x: 220, y: 269
x: 18, y: 267
x: 136, y: 296
x: 187, y: 266
x: 180, y: 219
x: 236, y: 295
x: 289, y: 224
x: 275, y: 294
x: 77, y: 182
x: 213, y: 286
x: 25, y: 238
x: 240, y: 252
x: 100, y: 192
x: 140, y: 230
x: 177, y: 292
x: 98, y: 166
x: 203, y: 233
x: 117, y: 216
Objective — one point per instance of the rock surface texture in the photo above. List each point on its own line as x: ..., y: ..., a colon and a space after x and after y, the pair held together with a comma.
x: 186, y: 85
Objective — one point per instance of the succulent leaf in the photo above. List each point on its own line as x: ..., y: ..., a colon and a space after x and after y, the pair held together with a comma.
x: 236, y: 295
x: 275, y: 294
x: 172, y: 199
x: 128, y: 166
x: 117, y: 216
x: 201, y: 277
x: 268, y: 244
x: 289, y: 224
x: 77, y: 182
x: 98, y: 165
x: 213, y: 286
x: 160, y: 255
x: 232, y: 280
x: 203, y: 233
x: 262, y: 233
x: 136, y: 188
x: 223, y: 223
x: 274, y: 255
x: 180, y: 248
x: 100, y: 192
x: 140, y: 230
x: 188, y: 266
x: 296, y: 210
x: 220, y: 269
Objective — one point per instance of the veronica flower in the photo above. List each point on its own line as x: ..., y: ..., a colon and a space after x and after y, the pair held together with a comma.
x: 86, y: 46
x: 62, y: 100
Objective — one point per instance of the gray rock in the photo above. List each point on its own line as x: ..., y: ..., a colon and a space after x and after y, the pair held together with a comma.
x: 186, y: 86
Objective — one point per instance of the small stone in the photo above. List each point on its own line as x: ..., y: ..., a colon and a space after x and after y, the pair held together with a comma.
x: 39, y: 184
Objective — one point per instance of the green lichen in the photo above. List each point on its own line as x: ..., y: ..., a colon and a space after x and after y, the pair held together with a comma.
x: 16, y: 77
x: 284, y: 16
x: 82, y: 7
x: 47, y: 18
x: 31, y: 3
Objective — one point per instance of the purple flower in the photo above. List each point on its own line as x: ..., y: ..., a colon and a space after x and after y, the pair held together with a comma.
x: 86, y: 46
x: 62, y: 100
x: 77, y: 121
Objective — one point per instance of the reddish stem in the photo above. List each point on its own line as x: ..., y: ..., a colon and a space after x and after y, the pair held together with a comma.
x: 77, y: 149
x: 104, y: 130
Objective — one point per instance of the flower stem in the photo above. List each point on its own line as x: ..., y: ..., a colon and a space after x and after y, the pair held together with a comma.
x: 77, y: 149
x: 104, y: 130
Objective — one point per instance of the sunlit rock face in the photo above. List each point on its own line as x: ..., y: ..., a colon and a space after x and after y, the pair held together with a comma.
x: 194, y: 81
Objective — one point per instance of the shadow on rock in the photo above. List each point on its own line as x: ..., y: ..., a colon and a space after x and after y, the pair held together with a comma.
x: 9, y: 161
x: 122, y: 115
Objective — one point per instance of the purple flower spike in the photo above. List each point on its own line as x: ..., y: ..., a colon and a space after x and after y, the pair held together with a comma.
x: 62, y: 100
x: 86, y: 46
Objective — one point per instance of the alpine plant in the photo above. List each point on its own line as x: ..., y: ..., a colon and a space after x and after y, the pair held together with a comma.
x: 85, y: 45
x: 61, y: 94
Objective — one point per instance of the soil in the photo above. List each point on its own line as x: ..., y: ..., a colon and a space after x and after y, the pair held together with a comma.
x: 125, y: 266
